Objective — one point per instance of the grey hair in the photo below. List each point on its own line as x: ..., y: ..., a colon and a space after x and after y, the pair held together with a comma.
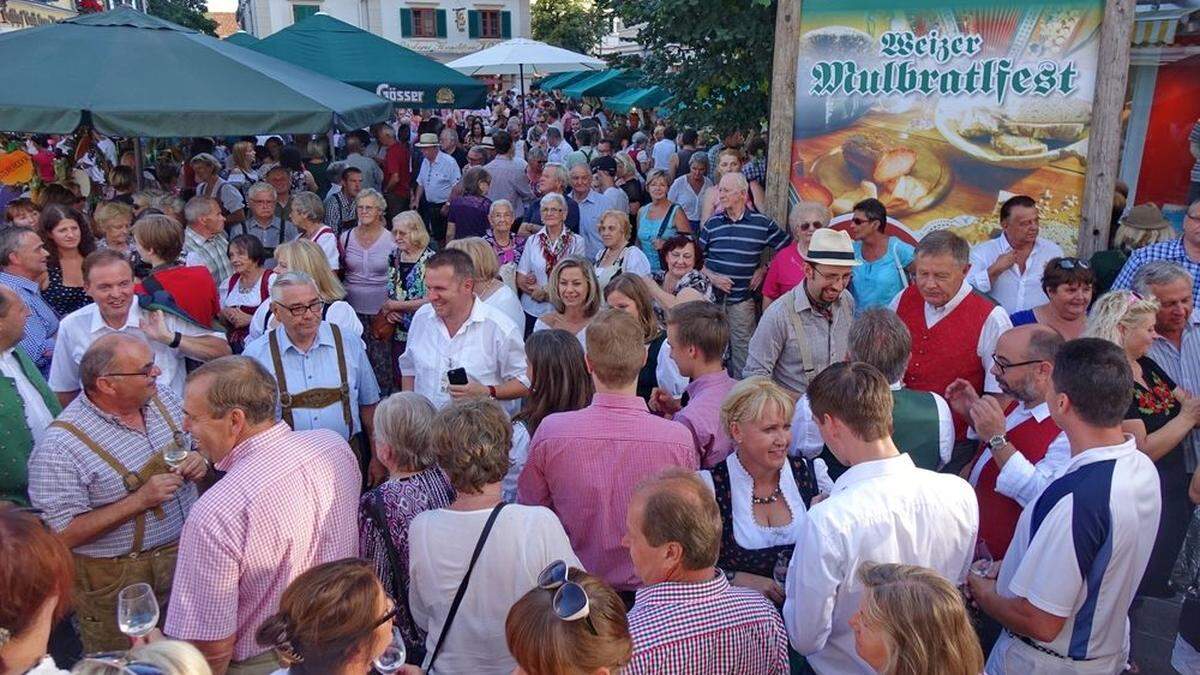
x: 945, y: 242
x: 878, y: 337
x: 535, y: 154
x: 289, y: 280
x: 1158, y: 273
x: 373, y: 194
x: 261, y: 186
x: 10, y: 242
x: 534, y: 134
x: 806, y: 208
x: 403, y: 421
x: 698, y: 159
x: 309, y: 205
x: 499, y: 203
x: 739, y: 181
x: 558, y: 172
x: 553, y: 197
x: 99, y: 357
x: 198, y: 207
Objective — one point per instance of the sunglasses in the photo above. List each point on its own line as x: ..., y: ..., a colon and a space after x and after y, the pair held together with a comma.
x: 1072, y: 263
x: 121, y: 660
x: 570, y: 600
x: 815, y: 225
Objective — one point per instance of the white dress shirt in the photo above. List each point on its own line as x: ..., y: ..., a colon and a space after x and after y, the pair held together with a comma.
x: 996, y: 323
x: 505, y: 300
x: 667, y: 373
x: 885, y: 511
x: 37, y: 415
x: 747, y: 532
x: 558, y: 154
x: 807, y: 442
x: 488, y: 346
x: 79, y: 329
x: 518, y: 455
x: 438, y: 177
x: 681, y: 193
x: 1014, y: 290
x: 1019, y: 479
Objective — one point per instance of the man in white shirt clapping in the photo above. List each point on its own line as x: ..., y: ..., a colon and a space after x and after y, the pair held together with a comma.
x: 882, y: 509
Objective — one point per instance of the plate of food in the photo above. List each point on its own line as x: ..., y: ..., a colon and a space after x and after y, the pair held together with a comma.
x: 902, y: 173
x: 1026, y: 134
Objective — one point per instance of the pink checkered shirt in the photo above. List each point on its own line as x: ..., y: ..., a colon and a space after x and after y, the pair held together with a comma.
x: 585, y: 464
x: 708, y: 627
x: 288, y: 502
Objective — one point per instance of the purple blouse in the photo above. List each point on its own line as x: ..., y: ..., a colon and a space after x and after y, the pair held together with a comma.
x: 469, y: 214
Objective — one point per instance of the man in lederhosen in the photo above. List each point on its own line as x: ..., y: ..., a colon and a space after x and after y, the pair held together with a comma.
x: 325, y: 379
x: 100, y: 479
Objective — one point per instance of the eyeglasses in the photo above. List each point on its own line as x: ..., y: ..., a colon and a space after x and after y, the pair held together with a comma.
x: 1004, y: 365
x: 1072, y: 263
x: 841, y: 278
x: 859, y: 221
x: 552, y: 209
x: 121, y: 660
x: 144, y: 372
x: 570, y: 601
x: 298, y: 310
x: 815, y: 225
x: 391, y: 614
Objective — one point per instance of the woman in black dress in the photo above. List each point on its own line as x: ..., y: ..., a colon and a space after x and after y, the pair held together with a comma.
x: 67, y: 236
x: 627, y: 292
x: 763, y: 494
x: 1160, y: 417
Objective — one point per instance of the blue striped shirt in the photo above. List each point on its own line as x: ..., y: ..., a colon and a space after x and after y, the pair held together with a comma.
x: 42, y: 324
x: 734, y: 247
x: 1167, y: 250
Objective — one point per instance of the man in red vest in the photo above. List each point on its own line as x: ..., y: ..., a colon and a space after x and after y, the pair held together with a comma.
x: 954, y: 329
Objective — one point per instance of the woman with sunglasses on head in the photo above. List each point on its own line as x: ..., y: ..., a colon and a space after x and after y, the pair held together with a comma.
x: 334, y: 619
x: 882, y: 273
x: 787, y: 267
x: 1068, y: 283
x: 571, y: 623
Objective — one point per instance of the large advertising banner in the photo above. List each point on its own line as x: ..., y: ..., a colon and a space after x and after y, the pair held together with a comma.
x: 942, y: 110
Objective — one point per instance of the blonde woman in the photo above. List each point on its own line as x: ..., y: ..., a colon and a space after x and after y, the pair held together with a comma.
x: 488, y: 286
x: 1160, y: 417
x: 618, y: 256
x: 762, y: 491
x: 168, y: 657
x: 659, y: 220
x: 241, y: 171
x: 575, y: 295
x: 304, y: 256
x: 912, y: 621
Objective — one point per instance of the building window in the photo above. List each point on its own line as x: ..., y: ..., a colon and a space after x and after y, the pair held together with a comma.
x: 489, y: 24
x: 302, y: 12
x: 424, y: 22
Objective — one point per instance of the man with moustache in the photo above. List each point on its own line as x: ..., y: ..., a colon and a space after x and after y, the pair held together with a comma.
x: 807, y: 330
x: 1009, y: 268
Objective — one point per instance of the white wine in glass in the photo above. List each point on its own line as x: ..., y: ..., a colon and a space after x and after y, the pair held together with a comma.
x: 137, y: 610
x: 392, y: 658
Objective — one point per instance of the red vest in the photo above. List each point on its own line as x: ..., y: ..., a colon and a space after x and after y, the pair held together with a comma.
x: 947, y: 351
x: 998, y: 513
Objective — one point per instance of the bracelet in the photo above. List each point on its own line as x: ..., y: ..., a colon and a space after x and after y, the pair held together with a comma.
x: 176, y: 340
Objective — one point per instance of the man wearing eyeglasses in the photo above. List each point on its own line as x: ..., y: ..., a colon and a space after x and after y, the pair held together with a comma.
x: 100, y: 478
x: 1184, y: 251
x: 1009, y: 268
x: 808, y: 327
x: 325, y: 379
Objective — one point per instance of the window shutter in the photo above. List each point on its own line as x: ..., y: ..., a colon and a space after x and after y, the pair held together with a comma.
x: 406, y: 22
x: 302, y: 12
x: 441, y: 23
x: 506, y: 25
x: 473, y: 24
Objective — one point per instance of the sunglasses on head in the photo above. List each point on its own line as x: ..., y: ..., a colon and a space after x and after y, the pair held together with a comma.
x: 1072, y: 263
x: 570, y: 601
x: 121, y: 660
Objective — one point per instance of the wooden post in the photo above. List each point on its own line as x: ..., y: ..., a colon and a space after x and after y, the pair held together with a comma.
x: 783, y: 109
x: 1104, y: 141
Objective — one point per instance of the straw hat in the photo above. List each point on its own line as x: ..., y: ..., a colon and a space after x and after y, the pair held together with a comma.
x: 1145, y: 217
x: 831, y: 247
x: 427, y: 141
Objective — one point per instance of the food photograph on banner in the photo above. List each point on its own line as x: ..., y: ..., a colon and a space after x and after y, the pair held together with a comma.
x: 942, y: 111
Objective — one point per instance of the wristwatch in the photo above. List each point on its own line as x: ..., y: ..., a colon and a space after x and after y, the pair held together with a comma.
x: 174, y: 344
x: 996, y: 442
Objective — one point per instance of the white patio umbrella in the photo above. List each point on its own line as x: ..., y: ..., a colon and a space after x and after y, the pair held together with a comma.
x: 520, y: 56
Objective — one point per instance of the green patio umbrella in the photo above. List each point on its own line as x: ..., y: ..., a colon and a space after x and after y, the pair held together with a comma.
x: 163, y: 80
x: 241, y: 39
x: 645, y: 97
x: 560, y: 80
x: 604, y: 83
x: 354, y: 56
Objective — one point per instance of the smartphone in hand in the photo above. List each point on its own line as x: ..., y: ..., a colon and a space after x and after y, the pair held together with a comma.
x: 457, y: 376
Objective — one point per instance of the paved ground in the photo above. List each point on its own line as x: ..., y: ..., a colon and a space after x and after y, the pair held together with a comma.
x: 1155, y: 623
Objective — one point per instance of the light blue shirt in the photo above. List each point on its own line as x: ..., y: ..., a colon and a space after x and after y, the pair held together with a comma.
x: 42, y: 324
x: 318, y: 368
x: 1183, y: 366
x: 590, y: 209
x: 875, y: 283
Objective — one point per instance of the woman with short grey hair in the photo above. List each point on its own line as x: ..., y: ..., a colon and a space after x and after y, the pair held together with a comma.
x: 415, y: 484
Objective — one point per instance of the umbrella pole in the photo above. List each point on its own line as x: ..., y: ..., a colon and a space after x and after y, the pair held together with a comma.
x: 521, y: 70
x: 137, y: 162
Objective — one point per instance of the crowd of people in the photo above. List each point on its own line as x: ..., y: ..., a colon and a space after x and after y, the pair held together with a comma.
x: 554, y: 395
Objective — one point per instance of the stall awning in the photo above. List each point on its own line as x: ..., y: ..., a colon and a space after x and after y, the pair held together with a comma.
x: 605, y: 83
x: 560, y: 80
x: 646, y: 97
x: 1157, y: 24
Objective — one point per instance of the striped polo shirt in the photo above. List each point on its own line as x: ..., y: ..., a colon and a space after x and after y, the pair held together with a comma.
x: 1080, y: 550
x: 734, y: 247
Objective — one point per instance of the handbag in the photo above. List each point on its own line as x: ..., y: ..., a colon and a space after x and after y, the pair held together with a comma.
x: 1185, y: 576
x: 462, y: 586
x: 382, y: 329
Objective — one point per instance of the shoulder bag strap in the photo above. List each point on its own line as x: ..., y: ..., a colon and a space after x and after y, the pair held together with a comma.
x: 896, y: 261
x: 462, y: 586
x: 376, y: 514
x: 667, y: 221
x: 285, y: 399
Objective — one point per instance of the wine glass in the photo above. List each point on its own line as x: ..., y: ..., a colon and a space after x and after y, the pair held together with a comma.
x: 782, y: 562
x: 137, y: 610
x: 392, y: 658
x: 175, y: 452
x: 982, y: 562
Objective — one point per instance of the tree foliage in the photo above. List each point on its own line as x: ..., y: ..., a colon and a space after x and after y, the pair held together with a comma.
x: 187, y: 13
x: 714, y: 56
x: 571, y: 24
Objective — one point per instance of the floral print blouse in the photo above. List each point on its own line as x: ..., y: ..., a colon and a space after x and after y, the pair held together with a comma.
x: 406, y: 281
